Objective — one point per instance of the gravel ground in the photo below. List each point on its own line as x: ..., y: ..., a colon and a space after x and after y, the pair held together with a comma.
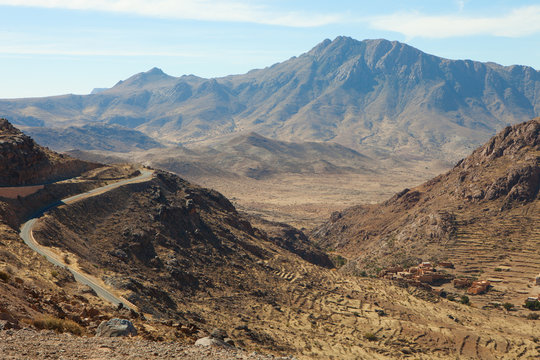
x: 37, y: 345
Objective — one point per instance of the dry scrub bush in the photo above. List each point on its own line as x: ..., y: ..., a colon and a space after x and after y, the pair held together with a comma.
x: 58, y: 325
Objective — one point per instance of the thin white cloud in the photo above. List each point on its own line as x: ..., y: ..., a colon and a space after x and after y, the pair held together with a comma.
x: 16, y: 43
x: 519, y: 22
x: 22, y: 50
x: 460, y: 4
x: 209, y: 10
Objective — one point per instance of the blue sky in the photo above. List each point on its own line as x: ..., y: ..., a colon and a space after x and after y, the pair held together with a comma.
x: 50, y: 47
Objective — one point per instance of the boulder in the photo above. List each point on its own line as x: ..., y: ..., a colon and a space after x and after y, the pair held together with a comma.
x: 115, y: 328
x: 210, y: 341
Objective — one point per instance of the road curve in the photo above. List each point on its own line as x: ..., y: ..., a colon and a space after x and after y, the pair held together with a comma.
x: 27, y: 236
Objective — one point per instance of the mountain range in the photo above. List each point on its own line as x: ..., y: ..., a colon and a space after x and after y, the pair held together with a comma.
x: 380, y: 97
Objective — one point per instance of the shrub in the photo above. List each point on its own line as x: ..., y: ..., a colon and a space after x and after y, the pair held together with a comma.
x: 339, y: 261
x: 4, y: 276
x: 451, y: 297
x: 370, y: 336
x: 533, y: 316
x: 58, y: 325
x: 54, y: 273
x: 465, y: 300
x: 508, y: 306
x: 532, y: 305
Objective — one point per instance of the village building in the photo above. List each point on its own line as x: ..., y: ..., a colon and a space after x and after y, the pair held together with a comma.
x: 479, y: 287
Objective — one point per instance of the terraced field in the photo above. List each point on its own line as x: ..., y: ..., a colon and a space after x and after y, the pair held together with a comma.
x: 342, y: 317
x: 506, y: 250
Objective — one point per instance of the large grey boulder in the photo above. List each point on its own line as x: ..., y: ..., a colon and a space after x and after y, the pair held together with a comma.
x: 115, y: 328
x: 210, y: 341
x: 217, y: 338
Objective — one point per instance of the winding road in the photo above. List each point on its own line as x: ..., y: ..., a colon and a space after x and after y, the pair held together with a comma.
x: 27, y: 236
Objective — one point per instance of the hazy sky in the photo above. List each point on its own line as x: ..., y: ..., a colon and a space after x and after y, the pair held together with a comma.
x: 50, y: 47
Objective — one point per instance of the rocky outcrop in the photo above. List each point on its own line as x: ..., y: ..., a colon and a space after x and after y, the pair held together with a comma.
x: 291, y: 239
x: 23, y: 162
x: 519, y: 184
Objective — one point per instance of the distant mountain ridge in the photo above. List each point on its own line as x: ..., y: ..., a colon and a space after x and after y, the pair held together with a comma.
x: 250, y: 155
x: 92, y: 137
x: 383, y: 97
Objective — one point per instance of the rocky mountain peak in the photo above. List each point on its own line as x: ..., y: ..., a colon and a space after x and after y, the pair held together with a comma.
x: 149, y: 78
x: 155, y: 71
x: 6, y: 129
x: 370, y: 50
x: 507, y: 167
x: 338, y: 50
x: 513, y: 141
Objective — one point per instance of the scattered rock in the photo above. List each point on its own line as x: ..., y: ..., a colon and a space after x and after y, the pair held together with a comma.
x: 6, y: 325
x: 219, y: 334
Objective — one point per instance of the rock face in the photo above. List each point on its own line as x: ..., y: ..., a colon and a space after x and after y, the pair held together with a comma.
x: 372, y: 94
x: 497, y: 184
x: 23, y: 162
x: 115, y: 328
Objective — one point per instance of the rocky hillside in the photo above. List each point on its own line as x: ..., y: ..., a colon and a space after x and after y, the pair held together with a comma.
x: 483, y: 215
x: 33, y: 292
x: 166, y: 238
x: 373, y: 95
x: 23, y: 162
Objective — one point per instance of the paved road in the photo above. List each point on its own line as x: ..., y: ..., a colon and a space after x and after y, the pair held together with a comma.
x: 26, y: 235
